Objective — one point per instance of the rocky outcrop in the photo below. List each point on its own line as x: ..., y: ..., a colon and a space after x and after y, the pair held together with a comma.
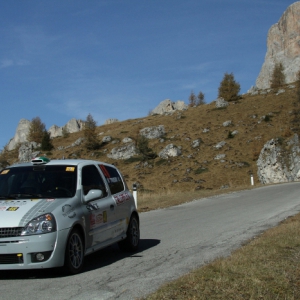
x: 72, y: 126
x: 279, y: 161
x: 283, y: 46
x: 110, y: 121
x: 20, y: 135
x: 167, y: 106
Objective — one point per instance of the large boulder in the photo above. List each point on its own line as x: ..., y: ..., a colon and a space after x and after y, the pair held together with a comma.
x: 153, y: 132
x: 123, y: 152
x: 20, y: 135
x: 279, y: 161
x: 167, y: 106
x: 170, y: 151
x: 282, y: 47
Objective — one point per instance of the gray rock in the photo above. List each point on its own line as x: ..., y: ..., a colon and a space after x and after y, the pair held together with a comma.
x: 27, y: 151
x: 78, y: 142
x: 167, y: 106
x: 72, y: 126
x: 279, y: 161
x: 220, y: 156
x: 20, y: 134
x: 110, y: 121
x: 220, y: 145
x: 196, y: 143
x: 106, y: 139
x: 127, y: 140
x: 283, y: 47
x: 220, y: 103
x: 227, y: 123
x: 153, y: 132
x: 123, y: 152
x: 170, y: 151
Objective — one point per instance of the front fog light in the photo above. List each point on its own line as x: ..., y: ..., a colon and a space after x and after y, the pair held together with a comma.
x: 39, y: 256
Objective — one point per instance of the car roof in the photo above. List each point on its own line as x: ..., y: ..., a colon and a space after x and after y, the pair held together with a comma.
x: 56, y: 162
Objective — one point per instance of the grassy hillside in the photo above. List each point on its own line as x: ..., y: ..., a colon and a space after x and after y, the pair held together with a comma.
x: 197, y: 169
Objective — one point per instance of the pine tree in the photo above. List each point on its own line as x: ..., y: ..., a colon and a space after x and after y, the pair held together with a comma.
x: 229, y: 89
x: 36, y: 130
x: 143, y: 146
x: 278, y: 77
x: 192, y: 99
x: 201, y: 98
x: 46, y: 144
x: 91, y: 140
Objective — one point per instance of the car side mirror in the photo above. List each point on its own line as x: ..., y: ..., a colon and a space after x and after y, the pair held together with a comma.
x: 92, y: 195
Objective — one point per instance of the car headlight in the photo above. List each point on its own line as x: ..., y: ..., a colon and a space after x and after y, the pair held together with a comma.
x: 40, y: 225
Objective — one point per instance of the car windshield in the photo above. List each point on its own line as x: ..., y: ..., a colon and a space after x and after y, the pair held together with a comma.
x: 38, y: 182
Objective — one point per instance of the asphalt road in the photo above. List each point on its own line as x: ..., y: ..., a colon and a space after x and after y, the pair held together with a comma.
x: 173, y: 242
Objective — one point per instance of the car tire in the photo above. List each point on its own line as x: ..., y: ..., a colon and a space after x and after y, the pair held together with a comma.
x: 131, y: 242
x: 74, y: 253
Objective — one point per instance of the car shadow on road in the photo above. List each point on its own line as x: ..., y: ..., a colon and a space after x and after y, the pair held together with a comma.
x: 93, y: 261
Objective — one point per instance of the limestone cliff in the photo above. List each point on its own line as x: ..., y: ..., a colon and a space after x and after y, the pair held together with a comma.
x: 283, y: 46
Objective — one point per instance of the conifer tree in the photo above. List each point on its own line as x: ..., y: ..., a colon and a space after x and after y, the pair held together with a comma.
x: 278, y: 77
x: 143, y: 146
x: 91, y: 140
x: 192, y: 99
x: 201, y: 98
x: 46, y: 144
x: 36, y: 130
x: 229, y: 89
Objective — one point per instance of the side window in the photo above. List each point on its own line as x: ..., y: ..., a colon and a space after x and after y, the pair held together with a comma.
x: 113, y: 179
x: 91, y: 180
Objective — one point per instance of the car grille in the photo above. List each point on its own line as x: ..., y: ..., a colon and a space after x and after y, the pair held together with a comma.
x: 10, y: 232
x: 11, y: 259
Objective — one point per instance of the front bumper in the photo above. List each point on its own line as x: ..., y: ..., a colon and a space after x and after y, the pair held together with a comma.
x: 19, y: 253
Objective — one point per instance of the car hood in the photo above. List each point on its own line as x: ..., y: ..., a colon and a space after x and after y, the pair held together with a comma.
x: 17, y: 213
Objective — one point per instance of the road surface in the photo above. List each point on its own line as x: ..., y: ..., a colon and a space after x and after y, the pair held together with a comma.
x: 173, y: 242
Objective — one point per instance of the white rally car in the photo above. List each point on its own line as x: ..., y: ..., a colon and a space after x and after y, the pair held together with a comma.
x: 54, y: 213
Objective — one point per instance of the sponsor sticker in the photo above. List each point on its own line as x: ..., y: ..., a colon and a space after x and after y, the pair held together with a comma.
x: 70, y: 169
x: 2, y: 208
x: 12, y: 208
x: 4, y: 172
x: 121, y: 198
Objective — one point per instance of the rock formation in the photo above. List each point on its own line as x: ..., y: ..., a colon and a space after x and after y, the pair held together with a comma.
x: 279, y: 161
x: 167, y: 106
x: 23, y: 129
x: 72, y: 126
x: 20, y: 135
x: 283, y: 46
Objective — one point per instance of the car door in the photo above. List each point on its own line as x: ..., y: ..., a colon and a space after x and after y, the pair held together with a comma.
x: 100, y: 213
x: 120, y: 196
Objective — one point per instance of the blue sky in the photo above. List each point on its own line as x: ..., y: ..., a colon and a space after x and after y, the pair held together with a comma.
x: 120, y: 58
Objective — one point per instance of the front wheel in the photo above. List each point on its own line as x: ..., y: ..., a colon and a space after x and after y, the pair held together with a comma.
x: 74, y: 254
x: 131, y: 242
